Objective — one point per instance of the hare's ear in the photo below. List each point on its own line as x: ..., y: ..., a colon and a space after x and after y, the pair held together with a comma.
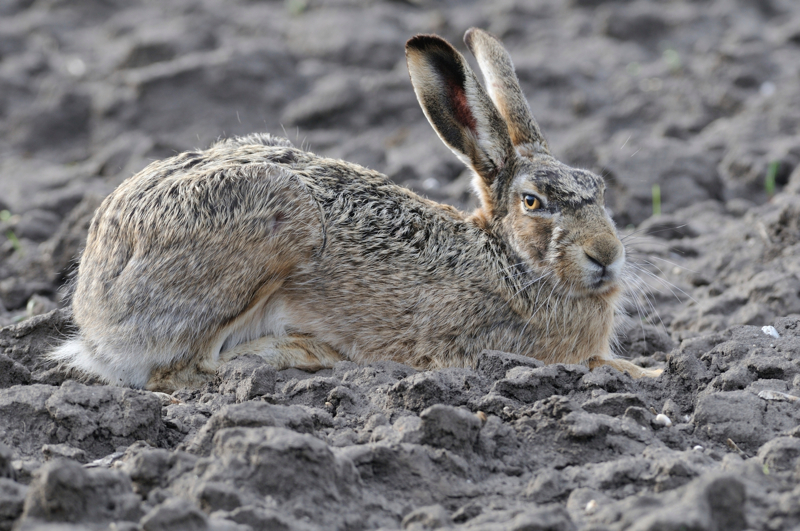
x: 462, y: 114
x: 503, y: 86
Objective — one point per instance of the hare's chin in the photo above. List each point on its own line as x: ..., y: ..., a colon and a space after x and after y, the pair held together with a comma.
x: 599, y: 288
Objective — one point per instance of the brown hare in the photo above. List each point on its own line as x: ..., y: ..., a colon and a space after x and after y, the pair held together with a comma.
x: 254, y: 246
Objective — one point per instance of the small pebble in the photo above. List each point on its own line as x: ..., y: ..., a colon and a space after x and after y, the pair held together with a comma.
x: 166, y: 399
x: 107, y: 461
x: 769, y: 394
x: 663, y: 420
x: 770, y: 331
x: 75, y: 66
x: 591, y: 507
x: 698, y: 448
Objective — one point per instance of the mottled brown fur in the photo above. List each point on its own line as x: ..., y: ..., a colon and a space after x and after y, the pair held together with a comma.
x: 253, y: 246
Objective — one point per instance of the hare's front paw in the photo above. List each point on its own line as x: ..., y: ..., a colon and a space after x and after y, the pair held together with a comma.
x: 649, y: 373
x: 626, y: 366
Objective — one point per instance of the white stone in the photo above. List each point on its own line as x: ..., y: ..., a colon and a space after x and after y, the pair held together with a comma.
x: 591, y: 507
x: 663, y: 420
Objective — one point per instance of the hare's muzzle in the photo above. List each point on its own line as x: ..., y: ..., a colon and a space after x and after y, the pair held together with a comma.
x: 605, y: 257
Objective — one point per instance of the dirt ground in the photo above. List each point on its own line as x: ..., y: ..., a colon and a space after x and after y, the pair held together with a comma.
x: 690, y: 108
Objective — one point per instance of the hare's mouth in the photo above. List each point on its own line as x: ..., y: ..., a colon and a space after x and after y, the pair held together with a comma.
x: 600, y: 277
x: 600, y: 280
x: 605, y: 283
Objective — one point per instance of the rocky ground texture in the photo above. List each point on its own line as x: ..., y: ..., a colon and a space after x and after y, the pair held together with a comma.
x: 699, y: 98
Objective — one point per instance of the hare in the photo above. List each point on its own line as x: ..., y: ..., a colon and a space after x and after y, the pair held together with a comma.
x: 254, y: 246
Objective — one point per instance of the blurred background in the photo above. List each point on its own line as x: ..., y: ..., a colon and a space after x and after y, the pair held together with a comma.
x: 674, y: 102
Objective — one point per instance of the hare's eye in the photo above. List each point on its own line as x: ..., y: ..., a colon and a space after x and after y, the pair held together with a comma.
x: 531, y: 202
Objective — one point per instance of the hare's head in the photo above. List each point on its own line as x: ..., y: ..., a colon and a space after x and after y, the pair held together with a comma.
x: 552, y: 215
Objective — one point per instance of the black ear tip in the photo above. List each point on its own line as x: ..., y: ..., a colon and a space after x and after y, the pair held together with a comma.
x: 426, y: 42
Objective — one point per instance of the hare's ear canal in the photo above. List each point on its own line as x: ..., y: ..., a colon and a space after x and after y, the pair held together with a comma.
x: 462, y: 114
x: 503, y: 85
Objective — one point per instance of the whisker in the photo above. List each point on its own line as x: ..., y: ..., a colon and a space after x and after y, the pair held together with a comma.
x: 639, y: 309
x: 669, y: 285
x: 536, y: 305
x: 512, y: 266
x: 665, y: 280
x: 651, y: 304
x: 665, y: 229
x: 637, y: 231
x: 531, y: 283
x: 673, y: 264
x: 631, y: 245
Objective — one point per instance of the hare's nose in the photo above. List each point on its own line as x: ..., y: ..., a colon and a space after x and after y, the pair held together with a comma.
x: 604, y: 249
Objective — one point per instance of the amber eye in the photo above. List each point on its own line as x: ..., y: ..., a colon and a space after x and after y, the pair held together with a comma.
x: 531, y: 202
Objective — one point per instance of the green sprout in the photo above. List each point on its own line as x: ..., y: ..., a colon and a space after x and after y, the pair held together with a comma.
x: 672, y: 59
x: 14, y: 240
x: 5, y: 215
x: 656, y: 200
x: 769, y: 181
x: 296, y: 7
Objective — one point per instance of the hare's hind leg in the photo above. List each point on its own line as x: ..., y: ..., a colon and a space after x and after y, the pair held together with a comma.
x: 625, y: 366
x: 190, y: 371
x: 299, y: 351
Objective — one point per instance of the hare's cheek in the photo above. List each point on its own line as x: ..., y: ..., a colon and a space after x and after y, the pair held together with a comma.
x: 567, y: 262
x: 533, y: 237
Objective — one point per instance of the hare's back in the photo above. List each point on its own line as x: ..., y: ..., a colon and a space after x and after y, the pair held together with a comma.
x: 189, y: 242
